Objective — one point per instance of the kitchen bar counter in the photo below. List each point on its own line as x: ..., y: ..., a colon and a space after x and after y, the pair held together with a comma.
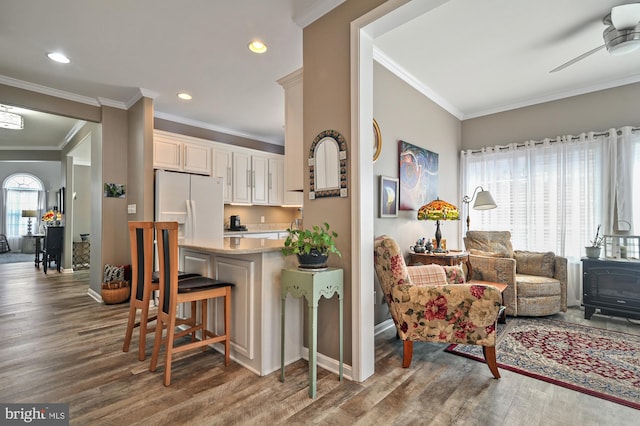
x: 232, y: 245
x: 254, y: 266
x: 256, y: 233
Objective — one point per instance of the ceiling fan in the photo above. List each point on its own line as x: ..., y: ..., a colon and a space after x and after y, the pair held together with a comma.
x: 621, y: 36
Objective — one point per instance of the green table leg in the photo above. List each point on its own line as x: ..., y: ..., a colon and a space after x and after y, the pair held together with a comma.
x: 282, y: 321
x: 313, y: 341
x: 341, y: 340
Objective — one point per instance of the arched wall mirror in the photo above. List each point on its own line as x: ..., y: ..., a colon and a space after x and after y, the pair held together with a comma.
x: 328, y: 165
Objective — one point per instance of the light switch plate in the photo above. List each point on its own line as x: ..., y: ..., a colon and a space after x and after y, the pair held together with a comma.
x: 131, y: 209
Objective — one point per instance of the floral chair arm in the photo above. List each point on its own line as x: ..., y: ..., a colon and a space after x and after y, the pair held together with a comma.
x: 457, y: 313
x: 499, y: 270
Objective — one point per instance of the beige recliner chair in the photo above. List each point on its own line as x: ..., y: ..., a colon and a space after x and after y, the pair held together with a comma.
x: 537, y: 281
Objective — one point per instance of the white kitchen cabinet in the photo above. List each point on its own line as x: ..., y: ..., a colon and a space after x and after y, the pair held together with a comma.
x: 254, y: 267
x: 241, y: 178
x: 167, y: 153
x: 293, y: 198
x: 194, y: 262
x: 222, y: 167
x: 293, y: 133
x: 250, y: 178
x: 259, y: 179
x: 241, y: 273
x: 276, y: 180
x: 172, y: 151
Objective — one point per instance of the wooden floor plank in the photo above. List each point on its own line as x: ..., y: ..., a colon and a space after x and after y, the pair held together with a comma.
x: 58, y: 345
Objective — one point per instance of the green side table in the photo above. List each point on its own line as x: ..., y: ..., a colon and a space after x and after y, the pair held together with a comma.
x: 311, y: 285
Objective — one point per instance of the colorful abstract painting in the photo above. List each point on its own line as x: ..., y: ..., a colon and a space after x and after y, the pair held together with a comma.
x: 418, y: 176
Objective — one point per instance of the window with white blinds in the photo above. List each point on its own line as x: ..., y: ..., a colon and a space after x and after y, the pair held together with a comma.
x: 552, y: 194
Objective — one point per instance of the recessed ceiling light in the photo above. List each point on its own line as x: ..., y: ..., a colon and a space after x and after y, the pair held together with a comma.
x: 10, y: 120
x: 58, y: 57
x: 257, y: 46
x: 185, y: 96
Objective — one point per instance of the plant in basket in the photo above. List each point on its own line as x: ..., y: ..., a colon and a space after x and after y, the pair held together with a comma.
x: 116, y: 287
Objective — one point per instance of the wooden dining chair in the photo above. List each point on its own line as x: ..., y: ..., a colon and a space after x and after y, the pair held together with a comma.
x: 53, y: 244
x: 173, y: 292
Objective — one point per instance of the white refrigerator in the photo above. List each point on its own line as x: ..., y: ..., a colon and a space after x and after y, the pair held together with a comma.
x: 195, y: 202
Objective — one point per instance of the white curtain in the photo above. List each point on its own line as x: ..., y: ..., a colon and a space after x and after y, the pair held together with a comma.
x: 553, y: 194
x: 14, y: 224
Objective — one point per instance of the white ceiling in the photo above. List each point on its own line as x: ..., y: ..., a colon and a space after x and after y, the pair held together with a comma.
x: 478, y: 57
x: 472, y: 56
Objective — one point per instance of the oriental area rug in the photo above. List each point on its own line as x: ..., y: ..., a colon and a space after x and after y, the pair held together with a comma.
x: 598, y: 362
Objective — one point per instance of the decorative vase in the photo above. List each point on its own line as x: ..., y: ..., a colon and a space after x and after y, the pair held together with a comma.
x: 313, y: 260
x: 593, y: 252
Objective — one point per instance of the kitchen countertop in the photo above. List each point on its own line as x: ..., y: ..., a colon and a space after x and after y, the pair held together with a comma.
x: 228, y: 232
x: 232, y: 245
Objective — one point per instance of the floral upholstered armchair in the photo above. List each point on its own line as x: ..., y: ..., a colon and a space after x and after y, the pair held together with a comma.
x: 425, y: 308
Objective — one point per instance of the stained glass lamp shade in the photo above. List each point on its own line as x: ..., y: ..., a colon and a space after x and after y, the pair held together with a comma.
x: 438, y: 210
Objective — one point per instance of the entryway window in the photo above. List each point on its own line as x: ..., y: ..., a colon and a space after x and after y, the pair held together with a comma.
x: 21, y: 192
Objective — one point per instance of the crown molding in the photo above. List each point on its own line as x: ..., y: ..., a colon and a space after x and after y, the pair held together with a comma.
x: 554, y: 97
x: 72, y: 132
x: 208, y: 126
x: 412, y: 81
x: 315, y: 11
x: 48, y: 91
x: 111, y: 103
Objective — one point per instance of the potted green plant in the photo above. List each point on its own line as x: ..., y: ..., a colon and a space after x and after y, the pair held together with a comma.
x: 311, y: 246
x: 593, y: 251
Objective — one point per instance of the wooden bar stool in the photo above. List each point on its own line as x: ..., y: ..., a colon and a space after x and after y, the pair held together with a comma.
x: 174, y: 292
x: 144, y: 281
x: 142, y: 285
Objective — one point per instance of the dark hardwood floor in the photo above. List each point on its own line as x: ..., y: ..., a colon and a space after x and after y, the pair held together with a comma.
x: 58, y: 345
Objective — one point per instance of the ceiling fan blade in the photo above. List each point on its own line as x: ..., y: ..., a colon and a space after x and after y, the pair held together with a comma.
x: 576, y: 59
x: 625, y: 16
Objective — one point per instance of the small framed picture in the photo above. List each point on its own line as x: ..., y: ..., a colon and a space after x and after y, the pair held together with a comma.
x: 114, y: 190
x: 388, y: 196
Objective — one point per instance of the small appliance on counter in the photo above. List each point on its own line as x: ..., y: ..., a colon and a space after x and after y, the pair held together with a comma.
x: 234, y: 224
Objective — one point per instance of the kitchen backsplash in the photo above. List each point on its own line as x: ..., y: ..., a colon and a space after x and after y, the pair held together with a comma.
x: 275, y: 218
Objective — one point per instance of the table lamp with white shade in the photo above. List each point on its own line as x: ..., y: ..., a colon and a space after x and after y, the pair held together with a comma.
x: 29, y: 214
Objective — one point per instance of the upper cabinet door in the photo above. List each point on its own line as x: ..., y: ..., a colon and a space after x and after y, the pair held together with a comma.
x: 241, y: 185
x: 276, y: 180
x: 172, y: 151
x: 222, y: 166
x: 260, y: 179
x: 197, y: 158
x: 167, y: 153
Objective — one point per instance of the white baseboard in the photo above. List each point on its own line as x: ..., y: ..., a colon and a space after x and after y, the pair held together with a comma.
x: 383, y: 326
x: 330, y: 364
x: 94, y: 295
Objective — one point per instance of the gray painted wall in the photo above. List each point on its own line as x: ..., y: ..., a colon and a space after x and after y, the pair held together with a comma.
x: 597, y: 111
x: 404, y: 114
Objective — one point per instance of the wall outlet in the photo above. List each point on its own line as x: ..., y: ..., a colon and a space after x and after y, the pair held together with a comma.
x: 261, y: 219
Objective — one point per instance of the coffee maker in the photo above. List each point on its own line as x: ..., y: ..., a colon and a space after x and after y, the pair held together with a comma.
x: 234, y: 223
